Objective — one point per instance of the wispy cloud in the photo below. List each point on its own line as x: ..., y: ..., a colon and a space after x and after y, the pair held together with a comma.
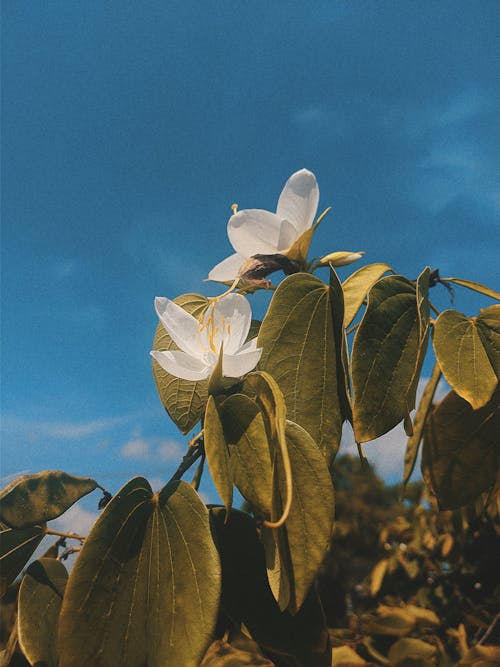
x: 137, y: 448
x: 170, y: 450
x: 60, y: 430
x: 155, y: 448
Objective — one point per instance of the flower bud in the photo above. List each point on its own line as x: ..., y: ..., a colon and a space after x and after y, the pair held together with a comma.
x: 340, y: 258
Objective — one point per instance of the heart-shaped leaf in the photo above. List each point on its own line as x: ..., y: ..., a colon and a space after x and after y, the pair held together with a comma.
x: 34, y: 499
x: 299, y: 319
x: 40, y: 598
x: 460, y: 454
x: 463, y: 359
x: 145, y: 587
x: 184, y: 400
x: 386, y: 353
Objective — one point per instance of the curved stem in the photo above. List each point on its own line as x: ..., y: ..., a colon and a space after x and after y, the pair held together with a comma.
x: 287, y: 467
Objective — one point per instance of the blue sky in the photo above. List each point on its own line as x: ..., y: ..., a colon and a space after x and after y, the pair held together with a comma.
x: 129, y: 128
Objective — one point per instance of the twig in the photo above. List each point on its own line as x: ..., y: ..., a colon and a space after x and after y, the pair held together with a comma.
x: 72, y: 536
x: 489, y: 629
x: 191, y: 457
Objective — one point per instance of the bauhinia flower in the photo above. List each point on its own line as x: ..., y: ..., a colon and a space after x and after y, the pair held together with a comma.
x: 225, y: 325
x: 258, y: 232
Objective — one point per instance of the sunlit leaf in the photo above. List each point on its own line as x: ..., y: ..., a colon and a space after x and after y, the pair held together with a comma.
x: 419, y: 422
x: 425, y: 617
x: 345, y: 656
x: 460, y: 453
x: 145, y: 587
x: 481, y: 656
x: 357, y: 286
x: 40, y: 598
x: 297, y: 336
x: 16, y: 548
x: 33, y: 499
x: 247, y: 598
x: 248, y: 447
x: 392, y: 621
x: 462, y: 356
x: 476, y: 287
x: 217, y: 453
x: 386, y: 352
x: 302, y: 542
x: 414, y: 652
x: 488, y: 326
x: 184, y: 400
x: 377, y: 576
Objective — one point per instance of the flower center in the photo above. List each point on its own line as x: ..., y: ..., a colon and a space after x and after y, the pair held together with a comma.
x: 215, y: 334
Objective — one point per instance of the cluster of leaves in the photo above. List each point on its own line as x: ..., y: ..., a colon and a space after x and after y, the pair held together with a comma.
x: 161, y: 574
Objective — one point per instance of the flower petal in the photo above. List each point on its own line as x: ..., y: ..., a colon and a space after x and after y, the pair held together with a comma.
x: 233, y: 316
x: 181, y: 365
x: 227, y: 269
x: 183, y: 328
x: 299, y: 199
x: 236, y: 365
x: 288, y: 235
x: 254, y: 232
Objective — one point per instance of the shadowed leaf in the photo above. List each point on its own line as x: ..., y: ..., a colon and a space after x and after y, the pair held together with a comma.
x: 386, y: 353
x: 247, y: 598
x: 298, y: 341
x: 145, y: 587
x: 357, y: 286
x: 460, y: 453
x: 16, y: 547
x: 463, y: 358
x: 217, y: 453
x: 33, y: 499
x: 40, y: 598
x: 341, y: 350
x: 184, y: 400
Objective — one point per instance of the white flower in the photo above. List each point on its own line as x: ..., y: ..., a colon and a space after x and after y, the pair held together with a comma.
x: 225, y: 323
x: 258, y: 232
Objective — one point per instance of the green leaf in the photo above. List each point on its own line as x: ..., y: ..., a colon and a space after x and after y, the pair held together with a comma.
x: 409, y: 652
x: 344, y: 656
x: 40, y: 598
x: 217, y: 453
x: 145, y: 587
x: 392, y: 621
x: 248, y: 446
x: 247, y: 598
x: 357, y: 286
x: 302, y: 542
x: 463, y: 359
x: 419, y: 422
x: 476, y: 287
x: 341, y: 350
x: 298, y: 341
x: 387, y: 352
x: 460, y: 453
x: 16, y: 548
x: 488, y: 326
x: 34, y: 499
x: 184, y: 400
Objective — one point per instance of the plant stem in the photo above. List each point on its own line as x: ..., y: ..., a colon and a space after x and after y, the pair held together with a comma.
x: 193, y: 454
x: 71, y: 536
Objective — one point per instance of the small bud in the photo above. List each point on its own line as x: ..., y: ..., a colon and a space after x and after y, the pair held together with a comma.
x: 340, y: 258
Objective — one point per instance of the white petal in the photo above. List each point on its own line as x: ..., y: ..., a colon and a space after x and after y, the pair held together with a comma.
x: 183, y: 328
x: 299, y: 199
x: 254, y: 232
x: 181, y: 364
x: 236, y: 365
x: 288, y: 235
x: 227, y: 269
x: 250, y: 345
x: 233, y: 316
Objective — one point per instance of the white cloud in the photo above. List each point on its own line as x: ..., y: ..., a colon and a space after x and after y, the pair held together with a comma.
x: 137, y: 448
x: 76, y: 520
x: 170, y: 450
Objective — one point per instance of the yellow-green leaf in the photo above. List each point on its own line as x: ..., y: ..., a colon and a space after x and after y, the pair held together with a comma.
x: 145, y: 588
x: 298, y: 341
x: 476, y: 287
x: 481, y: 656
x: 16, y: 547
x: 460, y: 453
x: 345, y: 656
x: 357, y: 286
x: 248, y: 446
x: 386, y: 353
x: 304, y: 539
x: 463, y: 359
x: 217, y: 453
x: 184, y: 400
x: 247, y: 598
x: 377, y: 576
x: 419, y: 422
x: 40, y: 598
x: 34, y: 499
x: 408, y: 652
x: 488, y: 326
